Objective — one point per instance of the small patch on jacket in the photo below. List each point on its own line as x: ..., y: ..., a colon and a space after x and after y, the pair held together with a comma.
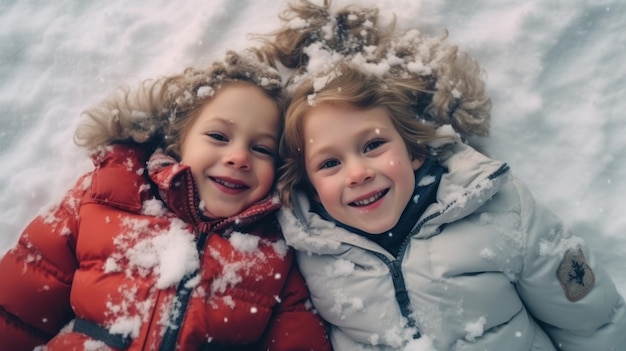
x: 575, y: 275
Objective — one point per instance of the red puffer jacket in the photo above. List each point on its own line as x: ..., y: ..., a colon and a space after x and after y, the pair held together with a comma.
x: 126, y: 262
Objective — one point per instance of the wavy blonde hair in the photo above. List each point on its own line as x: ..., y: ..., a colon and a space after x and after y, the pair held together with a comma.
x: 420, y: 80
x: 157, y: 113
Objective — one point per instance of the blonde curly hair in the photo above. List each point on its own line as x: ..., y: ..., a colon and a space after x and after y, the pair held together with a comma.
x: 347, y: 57
x: 157, y: 113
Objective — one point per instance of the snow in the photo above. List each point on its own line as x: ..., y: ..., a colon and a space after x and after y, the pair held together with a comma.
x: 244, y: 242
x: 475, y: 329
x: 422, y: 344
x: 341, y: 268
x: 555, y: 75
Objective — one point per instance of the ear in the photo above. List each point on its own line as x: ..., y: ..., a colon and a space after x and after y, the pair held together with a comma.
x: 416, y: 163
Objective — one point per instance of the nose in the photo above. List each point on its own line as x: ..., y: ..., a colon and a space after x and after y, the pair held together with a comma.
x: 237, y: 157
x: 359, y: 173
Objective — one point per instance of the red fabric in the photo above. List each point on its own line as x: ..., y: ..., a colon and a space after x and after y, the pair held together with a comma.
x: 70, y: 261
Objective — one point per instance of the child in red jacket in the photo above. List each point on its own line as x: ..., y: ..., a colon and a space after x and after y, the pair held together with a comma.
x: 171, y: 242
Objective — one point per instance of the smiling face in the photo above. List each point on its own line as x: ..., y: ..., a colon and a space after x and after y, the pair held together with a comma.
x: 231, y: 149
x: 359, y: 165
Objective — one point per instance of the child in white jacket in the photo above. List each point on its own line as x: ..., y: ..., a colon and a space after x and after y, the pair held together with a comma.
x: 408, y: 238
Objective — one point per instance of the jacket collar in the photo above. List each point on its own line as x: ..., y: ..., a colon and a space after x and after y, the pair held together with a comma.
x: 120, y: 181
x: 178, y: 190
x: 471, y: 179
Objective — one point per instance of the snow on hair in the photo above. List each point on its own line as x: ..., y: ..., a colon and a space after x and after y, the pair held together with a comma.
x: 314, y: 38
x: 157, y: 111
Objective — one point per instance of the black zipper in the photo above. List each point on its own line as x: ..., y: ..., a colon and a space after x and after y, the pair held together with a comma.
x: 395, y: 266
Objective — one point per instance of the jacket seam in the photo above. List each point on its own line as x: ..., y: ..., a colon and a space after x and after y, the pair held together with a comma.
x: 25, y: 327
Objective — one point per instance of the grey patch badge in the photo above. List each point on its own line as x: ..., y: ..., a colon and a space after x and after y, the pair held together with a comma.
x: 575, y: 275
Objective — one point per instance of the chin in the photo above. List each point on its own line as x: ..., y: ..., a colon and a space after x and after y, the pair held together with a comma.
x: 376, y: 231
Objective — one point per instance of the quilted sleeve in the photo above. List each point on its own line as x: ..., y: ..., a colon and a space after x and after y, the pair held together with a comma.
x: 36, y: 276
x: 564, y: 286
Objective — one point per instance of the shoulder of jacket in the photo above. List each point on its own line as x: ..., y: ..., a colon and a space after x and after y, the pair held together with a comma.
x: 119, y: 177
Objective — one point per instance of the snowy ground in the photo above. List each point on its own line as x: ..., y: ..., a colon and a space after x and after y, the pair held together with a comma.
x: 555, y: 74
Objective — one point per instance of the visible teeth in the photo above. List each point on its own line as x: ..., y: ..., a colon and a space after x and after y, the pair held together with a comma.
x: 369, y: 200
x: 227, y: 184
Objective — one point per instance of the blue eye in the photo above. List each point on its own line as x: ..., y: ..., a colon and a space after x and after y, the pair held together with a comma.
x: 217, y: 136
x: 264, y: 150
x: 374, y: 144
x: 329, y: 164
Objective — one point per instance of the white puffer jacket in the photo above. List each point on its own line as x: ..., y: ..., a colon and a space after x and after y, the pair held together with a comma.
x: 486, y: 268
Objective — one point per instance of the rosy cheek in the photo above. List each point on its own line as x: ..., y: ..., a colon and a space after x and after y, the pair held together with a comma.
x: 395, y: 163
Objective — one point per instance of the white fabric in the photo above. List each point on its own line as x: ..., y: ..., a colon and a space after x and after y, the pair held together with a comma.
x: 480, y: 271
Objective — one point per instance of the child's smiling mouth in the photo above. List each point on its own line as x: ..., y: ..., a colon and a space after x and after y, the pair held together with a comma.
x: 228, y: 184
x: 369, y: 199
